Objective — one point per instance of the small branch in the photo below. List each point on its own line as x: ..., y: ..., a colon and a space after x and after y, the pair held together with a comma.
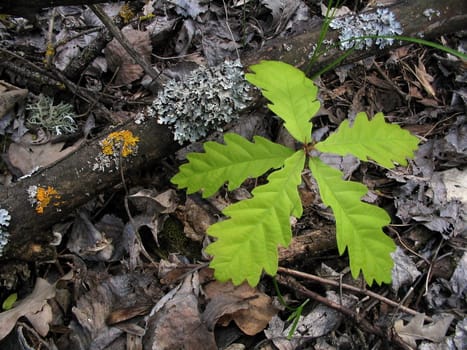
x: 351, y: 288
x: 99, y: 12
x: 361, y: 323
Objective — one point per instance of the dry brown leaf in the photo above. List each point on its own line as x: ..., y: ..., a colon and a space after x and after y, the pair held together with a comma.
x: 175, y: 322
x: 150, y: 202
x: 424, y: 78
x: 29, y: 158
x: 118, y: 58
x: 415, y: 92
x: 249, y: 308
x: 33, y: 303
x: 196, y: 220
x: 416, y: 330
x: 399, y: 53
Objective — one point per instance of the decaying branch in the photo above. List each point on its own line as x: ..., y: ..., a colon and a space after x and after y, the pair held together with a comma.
x: 353, y: 315
x: 446, y: 17
x: 77, y: 182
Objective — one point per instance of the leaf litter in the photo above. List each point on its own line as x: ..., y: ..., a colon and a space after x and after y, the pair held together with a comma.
x: 123, y: 290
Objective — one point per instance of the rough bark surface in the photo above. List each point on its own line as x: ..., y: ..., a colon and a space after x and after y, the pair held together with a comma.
x: 74, y: 178
x: 77, y: 183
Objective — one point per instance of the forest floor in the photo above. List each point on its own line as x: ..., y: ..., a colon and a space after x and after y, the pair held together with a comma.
x: 103, y: 290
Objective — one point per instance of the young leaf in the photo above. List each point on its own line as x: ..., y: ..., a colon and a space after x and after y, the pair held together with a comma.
x: 358, y: 224
x: 247, y: 241
x: 292, y: 94
x: 383, y: 142
x: 234, y: 162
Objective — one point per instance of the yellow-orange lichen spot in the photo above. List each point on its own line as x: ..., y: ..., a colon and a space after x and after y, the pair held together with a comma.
x: 44, y: 196
x: 123, y: 142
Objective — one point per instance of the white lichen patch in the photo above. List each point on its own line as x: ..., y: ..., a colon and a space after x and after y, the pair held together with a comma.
x: 203, y: 102
x: 103, y: 162
x: 429, y: 13
x: 32, y: 193
x: 382, y: 22
x: 4, y: 223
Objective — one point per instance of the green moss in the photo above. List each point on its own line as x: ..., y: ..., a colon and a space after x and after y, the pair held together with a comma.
x: 172, y: 239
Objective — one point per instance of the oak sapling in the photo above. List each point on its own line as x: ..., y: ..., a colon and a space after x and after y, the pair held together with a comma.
x: 248, y: 239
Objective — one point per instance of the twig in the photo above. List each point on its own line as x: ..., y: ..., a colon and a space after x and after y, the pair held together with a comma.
x: 399, y: 238
x: 360, y: 322
x: 228, y: 27
x: 47, y: 75
x: 59, y: 80
x: 83, y: 94
x: 430, y: 268
x: 99, y: 12
x: 349, y: 287
x: 75, y: 36
x: 49, y: 53
x: 401, y: 93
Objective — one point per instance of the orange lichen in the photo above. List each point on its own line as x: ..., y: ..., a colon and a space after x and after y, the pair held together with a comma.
x: 120, y: 142
x: 44, y: 196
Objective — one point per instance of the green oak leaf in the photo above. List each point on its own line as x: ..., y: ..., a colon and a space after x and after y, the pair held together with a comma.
x: 292, y: 94
x: 247, y: 241
x: 358, y: 224
x: 383, y: 142
x: 233, y: 162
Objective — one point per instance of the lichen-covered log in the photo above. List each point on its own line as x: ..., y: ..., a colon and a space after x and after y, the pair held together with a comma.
x: 35, y: 203
x: 423, y: 19
x: 50, y: 195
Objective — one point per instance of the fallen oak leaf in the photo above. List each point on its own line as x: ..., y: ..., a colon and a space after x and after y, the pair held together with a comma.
x: 175, y: 321
x: 250, y: 309
x: 424, y: 78
x: 416, y: 330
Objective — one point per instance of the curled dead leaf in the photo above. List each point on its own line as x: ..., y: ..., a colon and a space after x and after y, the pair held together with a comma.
x: 249, y: 308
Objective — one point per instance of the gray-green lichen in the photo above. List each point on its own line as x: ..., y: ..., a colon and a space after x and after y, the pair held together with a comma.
x: 4, y: 235
x: 59, y: 119
x: 382, y: 22
x: 203, y: 102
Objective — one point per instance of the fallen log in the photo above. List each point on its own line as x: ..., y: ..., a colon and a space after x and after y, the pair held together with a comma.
x: 70, y: 183
x: 75, y: 179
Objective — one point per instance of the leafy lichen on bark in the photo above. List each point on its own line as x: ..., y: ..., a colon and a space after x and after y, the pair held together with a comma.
x: 203, y: 102
x: 4, y: 235
x: 382, y: 22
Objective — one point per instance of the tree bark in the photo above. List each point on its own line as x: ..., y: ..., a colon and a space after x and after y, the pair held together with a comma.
x: 76, y: 182
x: 296, y: 51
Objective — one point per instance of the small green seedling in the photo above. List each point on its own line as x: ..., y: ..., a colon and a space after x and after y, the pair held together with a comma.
x: 248, y: 239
